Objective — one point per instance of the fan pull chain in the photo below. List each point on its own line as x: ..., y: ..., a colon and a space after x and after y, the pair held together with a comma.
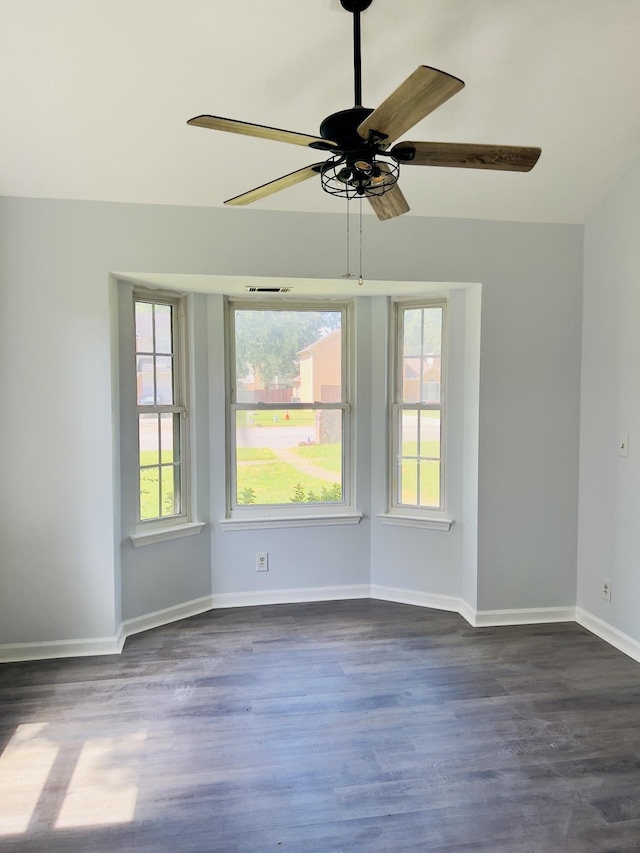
x: 360, y: 279
x: 348, y: 272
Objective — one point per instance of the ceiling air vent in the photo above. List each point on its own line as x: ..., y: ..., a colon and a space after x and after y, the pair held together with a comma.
x: 251, y: 289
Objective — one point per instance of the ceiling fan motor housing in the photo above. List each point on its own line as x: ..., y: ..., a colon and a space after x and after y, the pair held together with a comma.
x: 355, y: 169
x: 356, y: 5
x: 342, y: 128
x: 359, y: 167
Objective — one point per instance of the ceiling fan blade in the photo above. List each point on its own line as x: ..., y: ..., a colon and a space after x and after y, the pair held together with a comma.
x: 420, y: 94
x: 277, y: 185
x: 262, y: 131
x: 392, y: 203
x: 508, y: 158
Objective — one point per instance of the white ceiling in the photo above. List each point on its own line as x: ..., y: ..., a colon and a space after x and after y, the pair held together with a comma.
x: 95, y: 95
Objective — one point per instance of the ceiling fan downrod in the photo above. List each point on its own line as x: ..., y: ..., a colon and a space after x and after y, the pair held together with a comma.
x: 356, y: 7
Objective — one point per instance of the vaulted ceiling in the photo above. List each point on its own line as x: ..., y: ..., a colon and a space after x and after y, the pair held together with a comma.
x: 95, y: 95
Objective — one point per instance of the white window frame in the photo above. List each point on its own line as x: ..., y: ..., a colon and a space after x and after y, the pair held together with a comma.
x: 433, y: 517
x: 292, y: 514
x: 157, y: 529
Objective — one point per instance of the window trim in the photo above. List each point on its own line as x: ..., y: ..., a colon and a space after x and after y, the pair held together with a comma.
x: 404, y: 514
x: 167, y: 527
x: 239, y: 516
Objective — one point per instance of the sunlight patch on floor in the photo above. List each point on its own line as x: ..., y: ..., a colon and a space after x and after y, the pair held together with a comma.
x: 25, y: 765
x: 103, y: 788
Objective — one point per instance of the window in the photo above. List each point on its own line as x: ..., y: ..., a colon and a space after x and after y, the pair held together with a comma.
x: 418, y: 408
x: 289, y: 412
x: 161, y: 409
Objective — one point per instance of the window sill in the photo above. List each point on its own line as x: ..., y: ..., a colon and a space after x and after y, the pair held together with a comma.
x: 178, y: 531
x: 416, y: 521
x: 263, y: 522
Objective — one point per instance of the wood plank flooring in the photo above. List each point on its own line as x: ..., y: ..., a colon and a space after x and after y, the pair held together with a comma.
x: 337, y: 726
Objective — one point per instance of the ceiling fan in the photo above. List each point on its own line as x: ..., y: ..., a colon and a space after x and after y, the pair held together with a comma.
x: 361, y: 163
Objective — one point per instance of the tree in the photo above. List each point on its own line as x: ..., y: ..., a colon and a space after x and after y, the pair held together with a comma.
x: 267, y: 340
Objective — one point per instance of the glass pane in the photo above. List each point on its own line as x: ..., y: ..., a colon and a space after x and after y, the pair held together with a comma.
x: 432, y: 331
x: 429, y: 484
x: 288, y: 356
x: 285, y: 457
x: 421, y: 355
x: 418, y: 463
x: 177, y: 494
x: 145, y: 387
x: 408, y: 482
x: 430, y: 435
x: 168, y: 506
x: 408, y: 433
x: 412, y: 331
x: 148, y: 439
x: 170, y: 437
x: 144, y: 326
x: 164, y: 380
x: 164, y: 342
x: 149, y: 493
x: 430, y: 389
x: 411, y: 367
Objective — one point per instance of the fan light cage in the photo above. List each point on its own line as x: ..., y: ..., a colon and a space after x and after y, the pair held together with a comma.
x: 371, y: 176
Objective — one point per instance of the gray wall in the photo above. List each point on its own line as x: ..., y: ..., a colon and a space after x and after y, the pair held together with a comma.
x: 609, y: 533
x: 60, y: 569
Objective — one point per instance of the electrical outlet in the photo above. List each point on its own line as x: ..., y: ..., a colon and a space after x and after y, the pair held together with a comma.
x: 606, y: 589
x: 262, y: 561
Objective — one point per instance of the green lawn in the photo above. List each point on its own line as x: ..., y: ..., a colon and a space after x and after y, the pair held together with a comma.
x: 429, y: 472
x: 150, y: 457
x: 427, y: 448
x: 255, y: 454
x: 327, y: 456
x: 275, y: 482
x: 150, y: 496
x: 262, y: 418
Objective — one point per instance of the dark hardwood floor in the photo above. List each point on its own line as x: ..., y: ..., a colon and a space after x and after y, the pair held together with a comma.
x: 340, y: 726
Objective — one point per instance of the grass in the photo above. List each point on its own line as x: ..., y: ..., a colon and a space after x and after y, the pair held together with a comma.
x: 255, y: 454
x: 150, y: 457
x: 429, y: 483
x: 262, y: 418
x: 327, y: 456
x: 150, y: 493
x: 275, y: 482
x: 427, y: 448
x: 429, y: 473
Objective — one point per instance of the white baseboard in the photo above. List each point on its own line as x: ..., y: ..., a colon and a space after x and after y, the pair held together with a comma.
x: 419, y: 599
x: 166, y: 616
x: 476, y: 618
x: 16, y: 652
x: 290, y: 596
x: 524, y: 616
x: 617, y: 639
x: 467, y: 612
